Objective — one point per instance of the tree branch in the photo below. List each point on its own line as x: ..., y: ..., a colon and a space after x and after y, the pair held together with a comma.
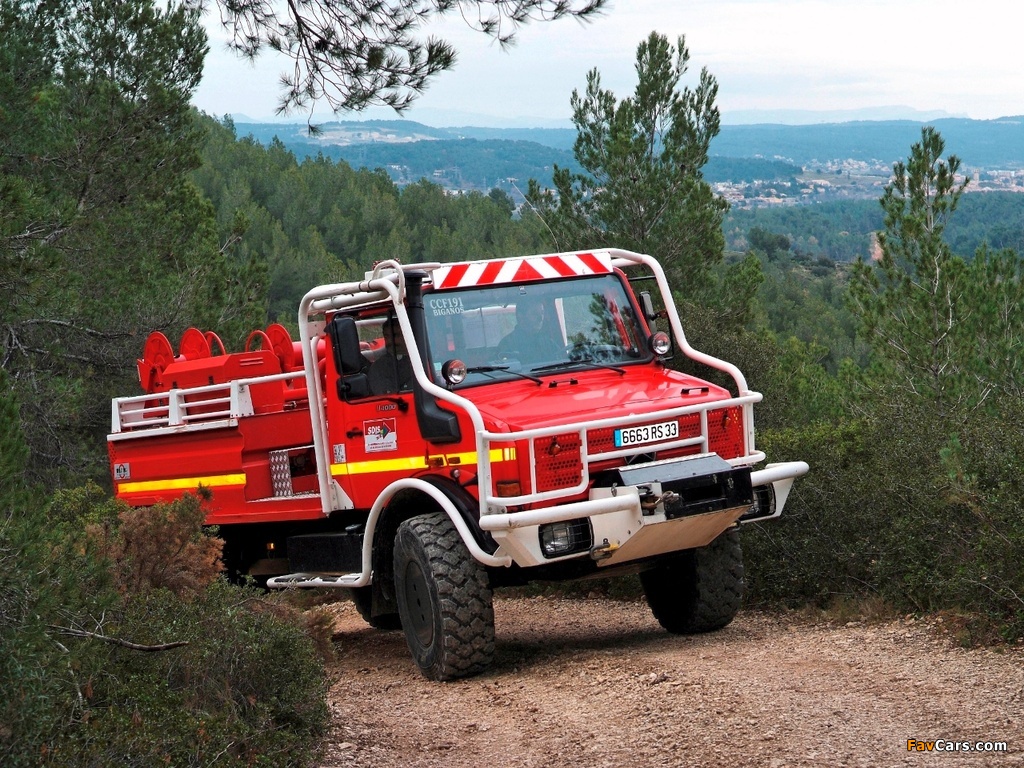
x: 118, y: 641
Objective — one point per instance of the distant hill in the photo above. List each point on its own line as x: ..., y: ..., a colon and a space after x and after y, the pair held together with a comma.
x: 467, y: 164
x: 819, y: 116
x: 982, y: 144
x: 481, y: 158
x: 556, y: 138
x: 468, y: 158
x: 344, y: 133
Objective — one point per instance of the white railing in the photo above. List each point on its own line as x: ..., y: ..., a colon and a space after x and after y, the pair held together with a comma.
x: 193, y: 408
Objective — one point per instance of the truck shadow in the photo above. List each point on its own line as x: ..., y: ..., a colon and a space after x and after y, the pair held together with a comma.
x: 582, y: 628
x: 513, y: 654
x: 365, y: 649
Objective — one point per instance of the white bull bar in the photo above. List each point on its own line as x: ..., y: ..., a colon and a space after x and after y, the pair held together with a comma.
x: 388, y: 282
x: 780, y: 476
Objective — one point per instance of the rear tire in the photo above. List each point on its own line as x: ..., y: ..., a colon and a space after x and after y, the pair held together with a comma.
x: 444, y: 599
x: 701, y: 590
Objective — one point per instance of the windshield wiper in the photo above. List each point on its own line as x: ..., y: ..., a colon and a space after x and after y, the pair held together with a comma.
x: 586, y: 361
x: 485, y: 369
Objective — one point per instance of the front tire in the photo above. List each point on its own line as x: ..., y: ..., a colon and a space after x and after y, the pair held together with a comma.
x: 701, y: 590
x: 444, y: 599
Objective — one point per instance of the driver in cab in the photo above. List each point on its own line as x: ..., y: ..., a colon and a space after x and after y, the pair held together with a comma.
x: 531, y: 341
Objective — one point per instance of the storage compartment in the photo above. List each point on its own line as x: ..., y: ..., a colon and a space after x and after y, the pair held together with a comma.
x: 340, y: 552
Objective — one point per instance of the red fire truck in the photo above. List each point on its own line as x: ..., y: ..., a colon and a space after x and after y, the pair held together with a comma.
x: 440, y: 430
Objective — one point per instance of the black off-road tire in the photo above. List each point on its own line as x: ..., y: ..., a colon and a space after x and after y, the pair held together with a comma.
x: 701, y: 590
x: 444, y: 599
x: 362, y: 598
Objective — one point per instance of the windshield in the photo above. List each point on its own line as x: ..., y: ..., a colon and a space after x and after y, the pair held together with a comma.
x: 506, y: 331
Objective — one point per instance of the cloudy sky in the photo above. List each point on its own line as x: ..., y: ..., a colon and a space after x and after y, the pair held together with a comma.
x: 950, y: 56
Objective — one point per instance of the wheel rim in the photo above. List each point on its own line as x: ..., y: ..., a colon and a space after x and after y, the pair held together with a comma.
x: 417, y: 597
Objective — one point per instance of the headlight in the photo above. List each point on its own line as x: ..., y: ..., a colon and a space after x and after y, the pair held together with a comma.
x: 660, y: 343
x: 454, y: 371
x: 565, y: 538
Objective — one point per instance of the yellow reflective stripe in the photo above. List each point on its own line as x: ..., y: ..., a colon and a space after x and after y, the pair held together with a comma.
x: 182, y: 483
x: 418, y: 462
x: 379, y: 465
x: 495, y: 454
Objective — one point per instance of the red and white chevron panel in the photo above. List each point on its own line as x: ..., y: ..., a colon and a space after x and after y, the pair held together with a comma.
x: 470, y: 273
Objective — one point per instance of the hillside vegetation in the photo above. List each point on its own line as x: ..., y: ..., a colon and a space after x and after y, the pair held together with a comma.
x: 844, y: 231
x: 412, y: 152
x: 123, y: 211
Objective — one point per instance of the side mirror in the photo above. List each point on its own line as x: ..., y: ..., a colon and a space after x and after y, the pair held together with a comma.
x: 648, y: 306
x: 345, y: 345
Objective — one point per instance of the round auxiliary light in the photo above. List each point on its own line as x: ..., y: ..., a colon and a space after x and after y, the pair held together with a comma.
x: 454, y: 371
x: 660, y: 343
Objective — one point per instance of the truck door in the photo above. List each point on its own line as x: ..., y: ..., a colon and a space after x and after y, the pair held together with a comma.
x: 373, y: 431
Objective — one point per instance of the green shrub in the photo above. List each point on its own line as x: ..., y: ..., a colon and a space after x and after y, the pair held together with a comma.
x: 48, y: 578
x: 905, y: 504
x: 97, y: 590
x: 248, y: 689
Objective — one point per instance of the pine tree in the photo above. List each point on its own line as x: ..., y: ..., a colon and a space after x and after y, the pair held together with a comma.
x: 643, y: 189
x: 13, y: 450
x: 103, y: 237
x: 945, y: 328
x: 355, y: 54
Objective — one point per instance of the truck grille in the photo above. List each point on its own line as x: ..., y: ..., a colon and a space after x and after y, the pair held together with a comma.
x: 725, y: 432
x: 559, y: 462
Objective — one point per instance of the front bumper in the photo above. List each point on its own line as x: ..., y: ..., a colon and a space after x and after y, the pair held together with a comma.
x: 653, y: 509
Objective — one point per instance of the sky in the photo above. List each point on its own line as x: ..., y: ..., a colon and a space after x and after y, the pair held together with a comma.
x: 774, y: 60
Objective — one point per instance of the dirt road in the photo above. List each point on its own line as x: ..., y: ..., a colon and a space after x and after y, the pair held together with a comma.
x: 598, y: 683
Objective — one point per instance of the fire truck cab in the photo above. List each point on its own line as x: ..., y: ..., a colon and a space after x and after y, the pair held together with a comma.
x: 440, y: 430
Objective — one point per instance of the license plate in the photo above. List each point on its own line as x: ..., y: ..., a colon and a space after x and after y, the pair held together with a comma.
x: 648, y: 433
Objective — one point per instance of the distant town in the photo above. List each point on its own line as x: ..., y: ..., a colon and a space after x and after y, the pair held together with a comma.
x: 846, y: 180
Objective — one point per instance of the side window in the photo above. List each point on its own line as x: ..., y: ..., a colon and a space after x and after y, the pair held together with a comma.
x: 389, y: 367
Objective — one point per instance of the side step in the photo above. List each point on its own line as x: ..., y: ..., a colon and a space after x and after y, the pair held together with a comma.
x: 309, y: 580
x: 331, y: 559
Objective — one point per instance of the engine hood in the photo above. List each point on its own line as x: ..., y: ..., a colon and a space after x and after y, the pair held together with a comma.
x: 571, y: 398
